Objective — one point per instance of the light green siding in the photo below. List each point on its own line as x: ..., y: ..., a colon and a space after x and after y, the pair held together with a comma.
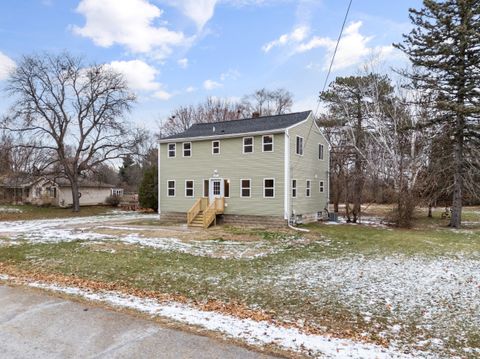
x: 230, y: 164
x: 308, y: 167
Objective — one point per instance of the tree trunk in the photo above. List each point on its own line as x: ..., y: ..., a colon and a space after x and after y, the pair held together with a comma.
x: 358, y: 185
x: 456, y: 218
x: 75, y: 195
x: 430, y: 211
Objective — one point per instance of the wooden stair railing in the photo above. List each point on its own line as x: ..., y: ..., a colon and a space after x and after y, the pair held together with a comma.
x: 204, y: 214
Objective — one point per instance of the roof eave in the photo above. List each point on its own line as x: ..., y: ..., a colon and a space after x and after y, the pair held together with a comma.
x: 217, y: 136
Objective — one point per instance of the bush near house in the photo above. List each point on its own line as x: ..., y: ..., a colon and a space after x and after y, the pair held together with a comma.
x: 148, y: 191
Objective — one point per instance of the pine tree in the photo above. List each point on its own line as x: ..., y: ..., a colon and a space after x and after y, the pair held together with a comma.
x: 148, y: 191
x: 444, y: 48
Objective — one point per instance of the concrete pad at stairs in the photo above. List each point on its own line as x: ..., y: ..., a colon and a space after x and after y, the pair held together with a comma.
x: 36, y: 325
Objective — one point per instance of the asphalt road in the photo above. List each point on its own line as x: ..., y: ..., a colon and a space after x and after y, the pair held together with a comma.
x: 36, y: 325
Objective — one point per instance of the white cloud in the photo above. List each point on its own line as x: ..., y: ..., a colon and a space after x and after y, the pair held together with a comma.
x: 199, y: 11
x: 210, y: 84
x: 183, y: 63
x: 141, y: 77
x: 162, y: 95
x: 352, y: 50
x: 190, y: 89
x: 6, y: 66
x: 231, y: 74
x: 129, y: 23
x: 297, y: 35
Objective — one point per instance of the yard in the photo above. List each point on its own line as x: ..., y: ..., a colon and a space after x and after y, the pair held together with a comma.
x: 412, y: 292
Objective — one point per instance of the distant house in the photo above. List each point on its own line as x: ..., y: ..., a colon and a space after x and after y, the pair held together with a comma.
x: 55, y: 192
x: 267, y: 169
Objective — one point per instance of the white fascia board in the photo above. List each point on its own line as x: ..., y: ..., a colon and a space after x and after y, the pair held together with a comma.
x: 214, y: 137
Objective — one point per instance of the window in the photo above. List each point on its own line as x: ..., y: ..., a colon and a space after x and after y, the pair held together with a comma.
x: 117, y: 192
x: 172, y: 149
x: 269, y: 188
x: 187, y: 149
x: 320, y: 151
x: 322, y: 186
x: 171, y: 189
x: 215, y: 147
x: 308, y: 189
x: 248, y: 145
x: 267, y: 143
x: 294, y: 188
x: 226, y: 188
x: 188, y: 188
x: 299, y: 146
x: 245, y: 188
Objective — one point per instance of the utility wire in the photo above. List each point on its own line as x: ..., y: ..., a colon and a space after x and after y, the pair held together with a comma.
x: 328, y: 73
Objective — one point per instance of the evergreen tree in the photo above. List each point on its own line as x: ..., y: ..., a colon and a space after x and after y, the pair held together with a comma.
x: 148, y: 192
x: 444, y: 48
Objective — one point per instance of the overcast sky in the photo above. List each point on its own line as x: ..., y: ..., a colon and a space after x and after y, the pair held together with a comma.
x: 178, y: 52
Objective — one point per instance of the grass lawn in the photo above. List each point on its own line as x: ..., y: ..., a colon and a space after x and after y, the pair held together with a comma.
x: 415, y: 289
x: 29, y: 212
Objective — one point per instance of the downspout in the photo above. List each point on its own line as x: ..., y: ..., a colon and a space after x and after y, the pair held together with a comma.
x: 159, y: 182
x: 288, y: 192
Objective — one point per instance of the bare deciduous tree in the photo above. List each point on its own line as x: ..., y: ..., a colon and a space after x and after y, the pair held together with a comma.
x: 76, y: 111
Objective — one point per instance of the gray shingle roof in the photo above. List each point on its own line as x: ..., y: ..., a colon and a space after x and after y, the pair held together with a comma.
x: 259, y: 124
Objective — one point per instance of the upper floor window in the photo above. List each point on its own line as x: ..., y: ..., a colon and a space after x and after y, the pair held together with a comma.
x: 269, y: 187
x: 215, y: 147
x: 308, y: 188
x: 267, y: 143
x: 172, y: 149
x: 320, y: 151
x: 171, y: 188
x: 188, y: 188
x: 248, y: 145
x: 299, y: 146
x: 245, y: 188
x: 322, y: 186
x: 187, y: 149
x: 294, y: 188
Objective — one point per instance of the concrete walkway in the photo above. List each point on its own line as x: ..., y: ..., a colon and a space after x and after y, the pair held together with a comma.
x: 37, y: 325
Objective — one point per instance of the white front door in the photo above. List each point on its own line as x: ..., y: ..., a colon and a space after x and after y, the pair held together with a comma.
x: 216, y: 189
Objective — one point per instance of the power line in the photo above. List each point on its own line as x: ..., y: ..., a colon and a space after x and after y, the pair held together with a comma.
x: 328, y: 73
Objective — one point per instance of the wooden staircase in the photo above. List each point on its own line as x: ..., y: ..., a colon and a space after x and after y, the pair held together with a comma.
x: 203, y: 214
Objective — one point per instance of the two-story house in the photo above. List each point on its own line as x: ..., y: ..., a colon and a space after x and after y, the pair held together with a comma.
x: 263, y: 169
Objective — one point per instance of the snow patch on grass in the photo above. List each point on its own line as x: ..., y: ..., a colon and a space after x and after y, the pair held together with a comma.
x: 4, y: 209
x: 252, y: 332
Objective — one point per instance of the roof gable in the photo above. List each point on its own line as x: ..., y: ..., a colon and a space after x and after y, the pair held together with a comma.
x: 238, y: 127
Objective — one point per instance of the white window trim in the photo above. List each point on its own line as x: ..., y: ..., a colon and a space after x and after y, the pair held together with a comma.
x: 183, y: 149
x: 323, y: 152
x: 296, y: 188
x: 274, y: 183
x: 303, y: 145
x: 273, y: 143
x: 243, y: 145
x: 309, y: 188
x: 321, y: 188
x: 174, y: 150
x: 193, y: 188
x: 174, y: 188
x: 249, y: 187
x: 213, y: 153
